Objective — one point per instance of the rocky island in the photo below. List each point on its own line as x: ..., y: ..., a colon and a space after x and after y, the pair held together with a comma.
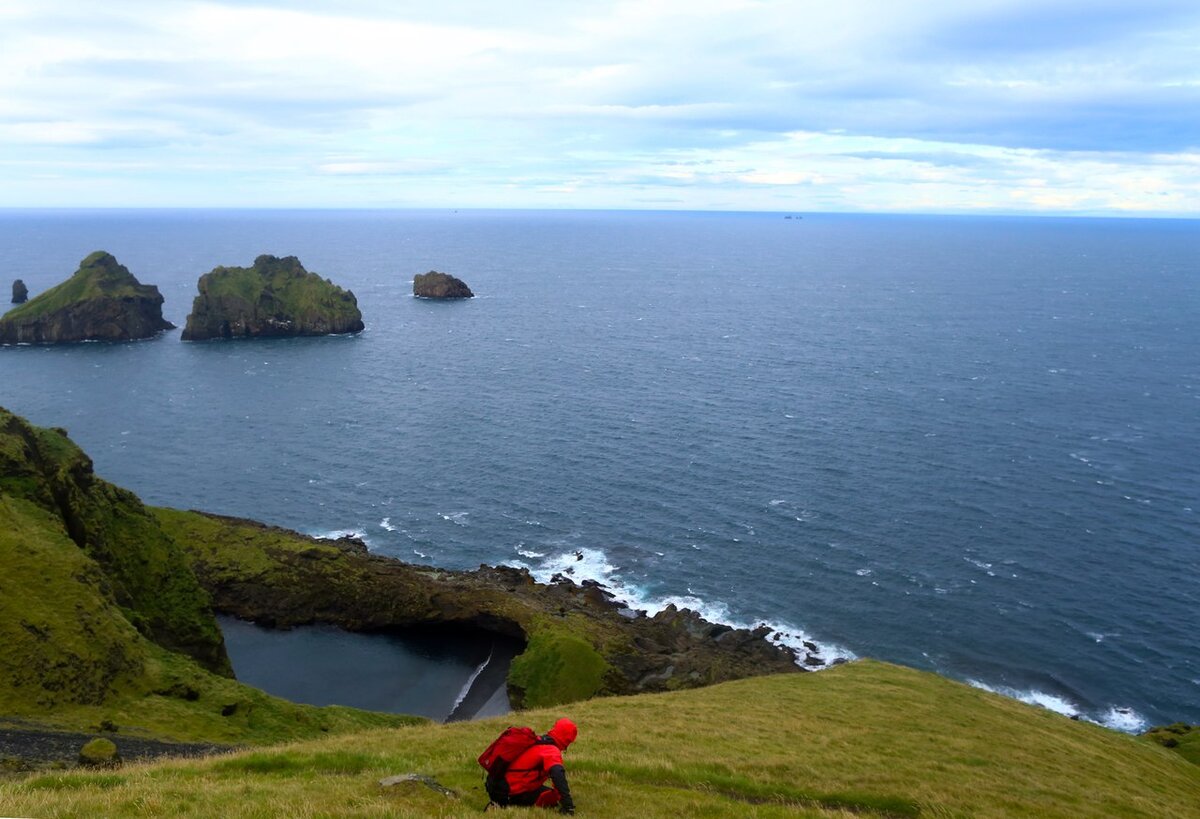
x: 102, y: 301
x: 20, y: 292
x: 274, y: 297
x: 435, y: 285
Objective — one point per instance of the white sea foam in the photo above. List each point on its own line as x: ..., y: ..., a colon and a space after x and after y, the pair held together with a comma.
x: 386, y: 523
x: 1124, y: 719
x: 336, y: 534
x: 457, y: 518
x: 593, y: 564
x: 1116, y: 717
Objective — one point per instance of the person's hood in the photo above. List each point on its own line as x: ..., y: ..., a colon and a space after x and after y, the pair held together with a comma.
x: 563, y: 733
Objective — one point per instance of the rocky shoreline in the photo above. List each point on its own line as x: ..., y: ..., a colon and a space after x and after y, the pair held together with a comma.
x: 280, y: 578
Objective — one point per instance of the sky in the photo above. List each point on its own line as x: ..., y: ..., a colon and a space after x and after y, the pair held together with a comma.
x: 1059, y: 107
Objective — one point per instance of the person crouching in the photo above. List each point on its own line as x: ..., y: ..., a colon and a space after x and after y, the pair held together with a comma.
x: 543, y: 760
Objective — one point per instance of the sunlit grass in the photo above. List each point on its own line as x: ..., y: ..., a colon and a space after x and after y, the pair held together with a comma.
x: 867, y: 739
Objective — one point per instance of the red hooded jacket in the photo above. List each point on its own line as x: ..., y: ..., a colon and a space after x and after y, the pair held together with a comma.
x: 532, y: 768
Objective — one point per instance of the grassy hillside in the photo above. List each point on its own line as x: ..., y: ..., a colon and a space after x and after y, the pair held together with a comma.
x: 867, y: 739
x: 144, y: 570
x: 69, y: 657
x: 102, y: 620
x: 98, y: 275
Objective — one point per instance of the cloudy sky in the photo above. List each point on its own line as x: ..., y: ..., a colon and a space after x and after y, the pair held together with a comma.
x: 949, y: 106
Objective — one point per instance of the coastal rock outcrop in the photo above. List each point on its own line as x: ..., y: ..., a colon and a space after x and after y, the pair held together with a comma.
x: 274, y: 297
x: 104, y: 600
x: 20, y: 292
x: 579, y: 641
x: 435, y: 285
x: 102, y: 301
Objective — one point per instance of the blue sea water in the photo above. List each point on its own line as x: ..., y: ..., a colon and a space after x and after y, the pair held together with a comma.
x: 963, y: 444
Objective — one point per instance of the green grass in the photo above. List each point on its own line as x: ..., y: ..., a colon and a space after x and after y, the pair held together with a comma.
x: 70, y: 659
x: 99, y: 275
x: 1181, y: 738
x: 557, y: 667
x: 866, y: 739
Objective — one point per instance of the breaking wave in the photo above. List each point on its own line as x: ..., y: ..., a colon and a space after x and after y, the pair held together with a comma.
x: 593, y: 564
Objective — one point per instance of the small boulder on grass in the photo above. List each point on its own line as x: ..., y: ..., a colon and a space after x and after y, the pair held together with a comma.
x: 99, y: 753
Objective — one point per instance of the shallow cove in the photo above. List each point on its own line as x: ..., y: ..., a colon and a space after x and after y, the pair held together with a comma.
x: 440, y: 673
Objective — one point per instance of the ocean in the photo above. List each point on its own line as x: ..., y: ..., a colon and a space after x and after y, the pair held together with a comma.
x: 964, y: 444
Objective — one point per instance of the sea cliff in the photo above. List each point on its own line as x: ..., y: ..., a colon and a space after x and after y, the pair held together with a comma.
x: 273, y: 297
x: 101, y: 301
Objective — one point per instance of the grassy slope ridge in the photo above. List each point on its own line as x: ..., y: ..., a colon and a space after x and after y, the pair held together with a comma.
x: 96, y: 604
x: 99, y: 276
x: 866, y: 739
x: 147, y: 573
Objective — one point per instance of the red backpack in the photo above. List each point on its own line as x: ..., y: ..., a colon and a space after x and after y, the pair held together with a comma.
x: 511, y: 743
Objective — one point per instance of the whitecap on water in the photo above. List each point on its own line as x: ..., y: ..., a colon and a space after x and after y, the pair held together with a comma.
x: 1117, y: 718
x: 337, y: 534
x: 593, y: 564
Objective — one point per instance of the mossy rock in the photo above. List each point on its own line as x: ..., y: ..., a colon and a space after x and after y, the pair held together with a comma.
x: 435, y: 285
x: 273, y: 297
x: 102, y: 301
x: 100, y: 753
x: 557, y: 667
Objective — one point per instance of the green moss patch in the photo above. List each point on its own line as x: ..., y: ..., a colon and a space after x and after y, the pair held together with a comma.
x: 99, y: 276
x: 557, y: 667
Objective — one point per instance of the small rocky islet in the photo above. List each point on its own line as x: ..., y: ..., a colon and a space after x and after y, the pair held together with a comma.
x: 101, y: 301
x: 20, y: 292
x: 273, y: 297
x: 435, y: 285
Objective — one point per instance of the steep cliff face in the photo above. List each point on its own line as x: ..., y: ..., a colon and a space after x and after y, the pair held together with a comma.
x: 102, y: 301
x: 274, y: 297
x: 43, y: 475
x: 435, y: 285
x: 20, y: 292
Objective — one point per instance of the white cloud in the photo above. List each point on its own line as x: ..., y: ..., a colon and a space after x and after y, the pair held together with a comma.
x: 863, y: 104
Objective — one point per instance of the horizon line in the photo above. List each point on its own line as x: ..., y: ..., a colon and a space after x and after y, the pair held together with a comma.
x: 972, y: 214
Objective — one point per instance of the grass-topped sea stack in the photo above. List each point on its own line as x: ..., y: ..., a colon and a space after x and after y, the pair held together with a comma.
x: 274, y: 297
x: 102, y: 301
x: 435, y: 285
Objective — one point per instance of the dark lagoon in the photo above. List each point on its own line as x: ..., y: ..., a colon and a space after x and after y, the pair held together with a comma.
x: 438, y: 674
